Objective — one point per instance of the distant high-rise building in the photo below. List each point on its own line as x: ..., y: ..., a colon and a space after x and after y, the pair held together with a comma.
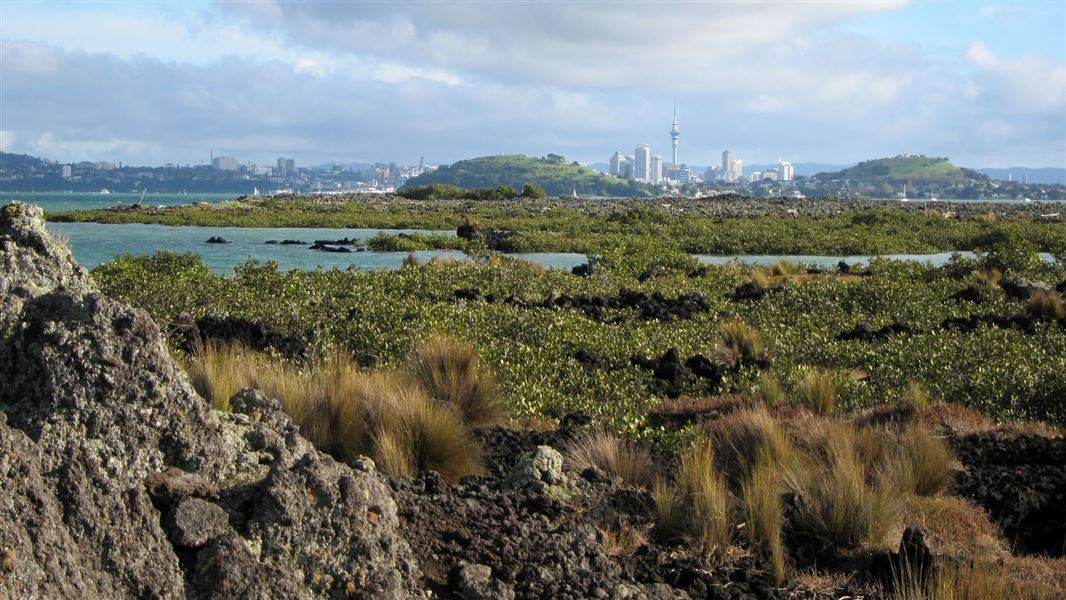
x: 105, y: 165
x: 785, y: 172
x: 657, y: 169
x: 683, y: 174
x: 421, y: 164
x: 225, y: 163
x: 616, y: 163
x: 738, y: 170
x: 727, y: 165
x: 66, y: 171
x: 642, y: 163
x: 675, y: 133
x: 625, y: 168
x: 266, y: 170
x: 285, y: 168
x: 756, y: 176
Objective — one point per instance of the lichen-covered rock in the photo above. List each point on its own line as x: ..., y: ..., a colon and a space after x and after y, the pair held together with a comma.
x: 539, y: 469
x: 118, y: 481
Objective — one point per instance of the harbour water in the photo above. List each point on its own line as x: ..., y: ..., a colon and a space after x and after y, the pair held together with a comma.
x: 95, y: 243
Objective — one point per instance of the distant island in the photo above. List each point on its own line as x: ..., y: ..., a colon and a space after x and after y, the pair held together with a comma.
x: 553, y: 173
x: 905, y: 169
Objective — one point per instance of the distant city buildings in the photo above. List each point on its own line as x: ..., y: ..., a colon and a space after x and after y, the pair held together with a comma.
x: 105, y: 165
x: 225, y: 163
x: 732, y: 167
x: 286, y: 167
x: 66, y: 171
x: 642, y: 163
x: 675, y: 133
x: 657, y: 169
x: 785, y: 172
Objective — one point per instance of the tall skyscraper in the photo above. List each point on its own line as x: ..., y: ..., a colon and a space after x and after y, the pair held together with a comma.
x: 285, y: 168
x: 675, y: 133
x: 727, y: 165
x: 785, y: 172
x: 616, y: 163
x: 225, y: 163
x: 657, y: 169
x: 642, y: 163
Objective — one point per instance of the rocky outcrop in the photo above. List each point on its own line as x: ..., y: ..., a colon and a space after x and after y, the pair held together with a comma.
x: 117, y: 480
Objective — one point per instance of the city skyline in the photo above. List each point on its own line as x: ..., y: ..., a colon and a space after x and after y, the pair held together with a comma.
x: 152, y: 83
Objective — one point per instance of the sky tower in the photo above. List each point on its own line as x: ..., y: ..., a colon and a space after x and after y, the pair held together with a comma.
x: 674, y: 134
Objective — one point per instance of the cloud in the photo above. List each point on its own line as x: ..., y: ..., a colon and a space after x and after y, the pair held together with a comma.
x: 1024, y: 83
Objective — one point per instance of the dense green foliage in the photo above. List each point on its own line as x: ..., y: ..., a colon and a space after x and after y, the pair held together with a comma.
x: 553, y: 175
x: 702, y: 226
x: 915, y: 169
x: 377, y: 316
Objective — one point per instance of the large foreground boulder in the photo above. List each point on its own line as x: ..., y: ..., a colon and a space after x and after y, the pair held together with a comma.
x: 118, y: 481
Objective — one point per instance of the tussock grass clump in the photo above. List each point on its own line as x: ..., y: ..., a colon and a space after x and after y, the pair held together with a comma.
x: 670, y: 511
x: 764, y: 511
x: 818, y: 391
x: 220, y: 371
x: 605, y: 451
x: 916, y: 396
x: 920, y: 463
x: 448, y: 262
x: 837, y: 509
x: 970, y: 580
x: 738, y: 344
x: 1047, y: 305
x: 410, y: 260
x: 705, y: 492
x: 743, y: 438
x: 345, y: 412
x: 989, y: 279
x: 448, y: 370
x: 770, y: 389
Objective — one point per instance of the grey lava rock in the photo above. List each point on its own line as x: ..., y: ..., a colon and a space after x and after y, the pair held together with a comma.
x: 118, y: 481
x: 538, y: 469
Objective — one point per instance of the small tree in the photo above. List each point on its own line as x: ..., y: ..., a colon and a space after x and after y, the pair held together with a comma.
x: 533, y: 191
x: 505, y: 192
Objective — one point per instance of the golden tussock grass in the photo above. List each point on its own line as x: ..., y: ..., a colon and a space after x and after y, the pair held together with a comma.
x: 818, y: 391
x: 765, y: 518
x: 670, y: 519
x: 920, y: 462
x: 346, y: 412
x: 742, y: 438
x: 770, y: 389
x: 605, y: 451
x: 837, y: 508
x: 1043, y: 304
x: 738, y: 343
x: 705, y: 493
x: 448, y: 369
x: 411, y: 260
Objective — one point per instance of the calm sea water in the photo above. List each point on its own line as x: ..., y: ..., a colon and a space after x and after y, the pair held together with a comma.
x: 62, y: 201
x: 95, y: 243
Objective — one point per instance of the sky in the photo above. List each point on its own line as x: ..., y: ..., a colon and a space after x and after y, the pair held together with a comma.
x: 148, y: 83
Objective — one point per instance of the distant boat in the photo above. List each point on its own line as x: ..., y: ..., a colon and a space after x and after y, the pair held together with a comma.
x: 1027, y: 199
x: 904, y: 197
x: 141, y: 201
x: 575, y: 192
x: 105, y: 191
x: 255, y: 191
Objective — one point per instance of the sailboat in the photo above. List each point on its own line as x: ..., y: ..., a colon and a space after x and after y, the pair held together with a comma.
x: 255, y: 191
x: 904, y: 197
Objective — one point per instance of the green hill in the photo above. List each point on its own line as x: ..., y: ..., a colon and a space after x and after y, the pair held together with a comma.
x: 904, y: 168
x: 553, y: 174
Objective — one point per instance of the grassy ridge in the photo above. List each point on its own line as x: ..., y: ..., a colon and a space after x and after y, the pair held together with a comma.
x: 898, y: 169
x: 554, y: 175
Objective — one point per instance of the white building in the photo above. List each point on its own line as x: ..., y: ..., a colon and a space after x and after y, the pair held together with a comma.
x: 732, y: 167
x: 738, y: 170
x: 642, y: 163
x: 657, y: 169
x: 785, y: 172
x: 286, y: 167
x: 225, y: 163
x: 756, y: 176
x: 66, y: 171
x: 616, y: 163
x: 262, y: 170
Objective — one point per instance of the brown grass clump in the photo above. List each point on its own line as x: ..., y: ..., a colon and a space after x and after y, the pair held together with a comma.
x: 670, y: 521
x: 988, y: 279
x: 836, y: 508
x: 962, y: 420
x: 738, y: 344
x: 743, y: 438
x: 410, y: 260
x: 603, y: 450
x: 448, y: 262
x: 955, y: 527
x: 916, y: 396
x: 623, y: 541
x: 707, y: 498
x: 448, y: 370
x: 920, y: 464
x: 678, y: 411
x: 1045, y: 305
x: 818, y: 391
x: 764, y: 511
